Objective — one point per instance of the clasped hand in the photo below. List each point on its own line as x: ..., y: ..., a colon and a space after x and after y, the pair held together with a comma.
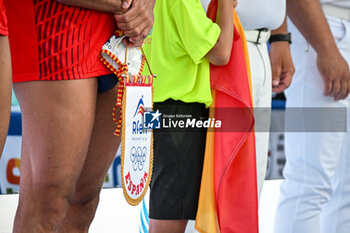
x: 136, y: 21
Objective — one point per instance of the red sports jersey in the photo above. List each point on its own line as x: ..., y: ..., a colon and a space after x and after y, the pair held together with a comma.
x: 53, y: 41
x: 3, y: 20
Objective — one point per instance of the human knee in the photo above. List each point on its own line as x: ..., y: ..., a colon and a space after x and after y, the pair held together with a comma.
x: 43, y: 210
x: 86, y: 196
x: 309, y: 195
x: 53, y: 197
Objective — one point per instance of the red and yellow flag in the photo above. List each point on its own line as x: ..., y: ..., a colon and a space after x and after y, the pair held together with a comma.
x: 228, y: 200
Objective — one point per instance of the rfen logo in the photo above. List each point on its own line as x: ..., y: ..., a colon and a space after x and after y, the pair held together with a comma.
x: 140, y: 107
x: 137, y: 123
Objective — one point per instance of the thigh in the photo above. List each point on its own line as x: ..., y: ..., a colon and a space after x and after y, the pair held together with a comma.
x: 318, y: 153
x: 5, y: 89
x: 262, y: 91
x: 102, y: 149
x: 335, y: 214
x: 312, y: 157
x: 260, y: 74
x: 57, y: 121
x: 307, y: 87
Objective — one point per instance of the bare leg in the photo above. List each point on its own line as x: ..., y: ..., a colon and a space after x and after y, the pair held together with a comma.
x: 102, y: 150
x: 167, y: 226
x: 5, y: 89
x: 58, y: 119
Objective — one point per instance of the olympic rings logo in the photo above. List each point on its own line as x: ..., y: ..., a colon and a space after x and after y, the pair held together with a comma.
x: 138, y: 157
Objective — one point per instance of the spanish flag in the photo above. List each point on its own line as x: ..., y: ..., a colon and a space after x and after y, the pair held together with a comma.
x: 228, y: 200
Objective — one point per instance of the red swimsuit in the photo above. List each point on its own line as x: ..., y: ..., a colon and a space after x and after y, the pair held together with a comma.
x: 3, y: 20
x: 53, y: 41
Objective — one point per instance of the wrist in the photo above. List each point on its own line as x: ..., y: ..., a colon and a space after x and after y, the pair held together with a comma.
x: 280, y: 44
x: 327, y: 50
x: 281, y: 38
x: 226, y: 3
x: 329, y: 53
x: 279, y: 31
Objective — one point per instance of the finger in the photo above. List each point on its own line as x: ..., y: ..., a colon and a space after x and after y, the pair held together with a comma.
x: 328, y: 87
x: 280, y: 88
x: 276, y: 74
x: 126, y: 4
x: 288, y: 76
x: 336, y: 88
x: 127, y: 43
x: 285, y: 81
x: 343, y: 90
x: 137, y: 40
x: 127, y: 17
x: 348, y: 85
x: 130, y: 25
x: 133, y: 33
x: 141, y: 37
x: 235, y: 3
x: 138, y: 43
x: 137, y: 31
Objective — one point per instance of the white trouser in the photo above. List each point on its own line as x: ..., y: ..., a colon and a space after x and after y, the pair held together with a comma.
x: 315, y: 196
x: 262, y: 89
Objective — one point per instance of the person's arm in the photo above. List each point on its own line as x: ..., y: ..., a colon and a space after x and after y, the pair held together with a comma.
x: 221, y: 52
x: 5, y: 89
x: 281, y: 61
x: 308, y: 17
x: 111, y: 6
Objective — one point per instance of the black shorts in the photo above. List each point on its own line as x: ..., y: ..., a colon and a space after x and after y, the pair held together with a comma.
x: 106, y: 82
x: 178, y: 163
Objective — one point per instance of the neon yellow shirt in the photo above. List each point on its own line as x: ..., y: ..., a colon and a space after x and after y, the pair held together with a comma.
x: 182, y: 35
